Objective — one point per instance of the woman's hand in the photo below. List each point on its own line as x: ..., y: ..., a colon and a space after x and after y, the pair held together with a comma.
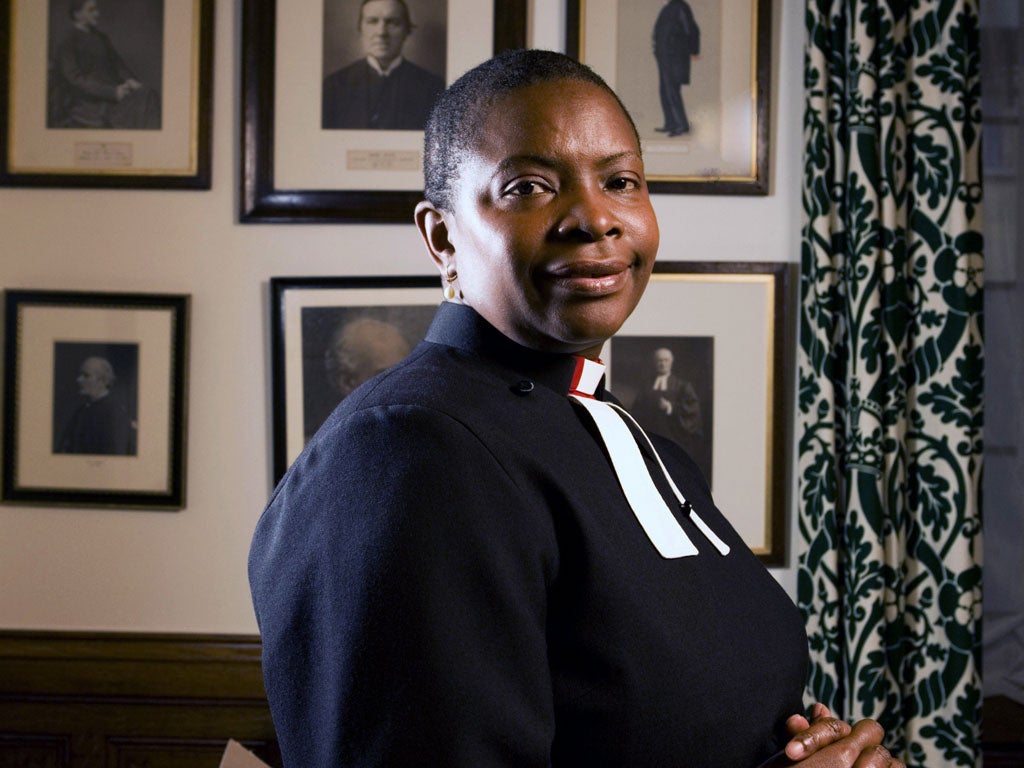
x: 827, y: 742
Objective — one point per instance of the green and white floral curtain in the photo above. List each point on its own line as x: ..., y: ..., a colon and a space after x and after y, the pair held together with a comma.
x: 890, y: 366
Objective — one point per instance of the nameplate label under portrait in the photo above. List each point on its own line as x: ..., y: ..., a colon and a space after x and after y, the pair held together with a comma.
x: 383, y: 160
x: 102, y: 154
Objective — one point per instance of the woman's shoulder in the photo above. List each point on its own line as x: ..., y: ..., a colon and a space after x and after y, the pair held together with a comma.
x: 432, y: 376
x: 408, y: 400
x: 402, y: 424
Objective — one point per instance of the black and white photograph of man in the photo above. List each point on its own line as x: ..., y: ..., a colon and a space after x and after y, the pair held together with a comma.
x: 105, y: 64
x: 383, y: 66
x: 676, y: 43
x: 667, y: 384
x: 668, y: 64
x: 95, y: 398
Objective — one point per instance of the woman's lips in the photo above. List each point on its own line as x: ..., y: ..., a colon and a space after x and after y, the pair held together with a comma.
x: 594, y: 278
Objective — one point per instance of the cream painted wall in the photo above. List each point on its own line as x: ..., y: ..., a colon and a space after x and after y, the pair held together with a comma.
x: 93, y: 569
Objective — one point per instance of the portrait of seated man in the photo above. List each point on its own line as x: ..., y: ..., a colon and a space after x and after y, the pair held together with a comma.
x: 382, y: 90
x: 101, y: 424
x: 90, y: 85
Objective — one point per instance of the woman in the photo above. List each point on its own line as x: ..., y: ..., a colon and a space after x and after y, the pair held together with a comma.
x: 464, y: 568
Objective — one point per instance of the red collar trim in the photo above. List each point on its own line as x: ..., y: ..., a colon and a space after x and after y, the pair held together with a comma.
x: 586, y: 377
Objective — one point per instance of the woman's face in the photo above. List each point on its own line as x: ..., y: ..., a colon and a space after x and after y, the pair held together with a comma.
x: 551, y: 231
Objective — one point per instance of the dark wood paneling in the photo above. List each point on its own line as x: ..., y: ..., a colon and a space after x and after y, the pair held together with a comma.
x: 34, y: 751
x: 102, y: 700
x: 106, y: 700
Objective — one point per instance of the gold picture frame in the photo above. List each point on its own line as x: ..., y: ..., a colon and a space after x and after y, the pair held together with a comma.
x: 143, y: 123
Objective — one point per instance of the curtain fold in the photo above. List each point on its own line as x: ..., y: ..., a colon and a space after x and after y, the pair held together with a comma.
x: 890, y: 371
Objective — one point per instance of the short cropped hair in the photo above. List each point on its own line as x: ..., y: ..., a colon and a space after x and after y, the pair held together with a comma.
x: 455, y: 121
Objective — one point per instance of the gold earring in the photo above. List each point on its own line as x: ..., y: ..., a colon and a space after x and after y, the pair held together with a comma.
x: 449, y: 289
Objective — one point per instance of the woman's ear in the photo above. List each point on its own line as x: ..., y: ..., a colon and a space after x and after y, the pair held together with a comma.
x: 433, y: 227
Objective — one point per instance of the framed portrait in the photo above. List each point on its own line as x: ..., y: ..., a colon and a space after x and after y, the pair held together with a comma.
x: 328, y: 336
x: 333, y: 110
x: 106, y: 93
x: 94, y: 399
x: 694, y: 75
x: 701, y: 361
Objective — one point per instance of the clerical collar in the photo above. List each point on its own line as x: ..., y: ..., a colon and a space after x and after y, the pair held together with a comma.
x: 461, y: 327
x: 384, y: 71
x: 586, y: 377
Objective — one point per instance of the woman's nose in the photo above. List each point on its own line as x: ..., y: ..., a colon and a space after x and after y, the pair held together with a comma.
x: 589, y: 215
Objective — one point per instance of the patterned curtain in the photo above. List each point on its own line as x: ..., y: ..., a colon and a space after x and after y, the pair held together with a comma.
x: 890, y: 367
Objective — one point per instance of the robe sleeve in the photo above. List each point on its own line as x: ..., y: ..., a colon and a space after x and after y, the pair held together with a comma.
x: 400, y: 578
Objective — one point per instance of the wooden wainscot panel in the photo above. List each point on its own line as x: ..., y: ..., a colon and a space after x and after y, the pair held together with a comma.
x: 122, y: 700
x: 34, y: 751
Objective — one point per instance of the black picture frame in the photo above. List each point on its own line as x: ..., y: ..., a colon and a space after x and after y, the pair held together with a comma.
x: 298, y: 405
x: 175, y: 156
x: 261, y: 200
x: 688, y: 164
x: 135, y: 458
x: 744, y: 309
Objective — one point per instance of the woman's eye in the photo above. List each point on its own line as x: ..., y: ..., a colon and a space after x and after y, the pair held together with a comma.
x: 623, y: 183
x: 526, y: 188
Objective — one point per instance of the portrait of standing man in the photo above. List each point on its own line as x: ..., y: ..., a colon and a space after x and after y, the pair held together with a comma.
x: 676, y: 42
x: 382, y: 90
